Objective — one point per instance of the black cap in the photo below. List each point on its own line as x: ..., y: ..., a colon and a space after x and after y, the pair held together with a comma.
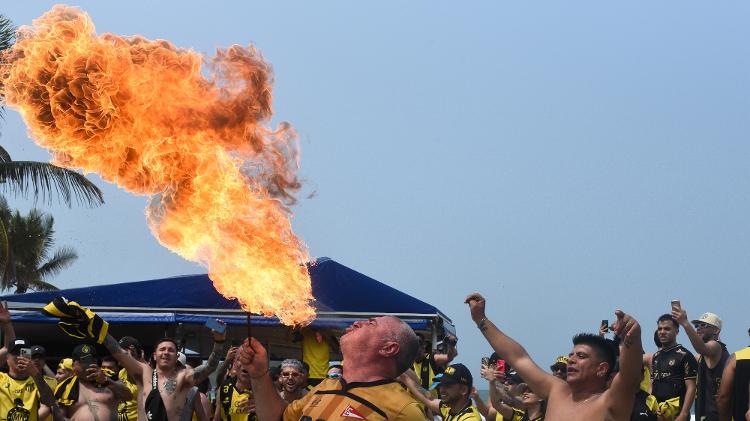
x: 128, y: 341
x: 457, y: 373
x: 84, y: 351
x: 38, y: 350
x: 17, y: 344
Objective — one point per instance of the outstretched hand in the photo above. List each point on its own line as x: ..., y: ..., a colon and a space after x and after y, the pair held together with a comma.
x: 476, y: 305
x: 253, y: 357
x: 626, y: 327
x: 4, y: 313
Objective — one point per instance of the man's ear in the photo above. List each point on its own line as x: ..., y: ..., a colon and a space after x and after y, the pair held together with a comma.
x: 602, y: 369
x: 390, y: 349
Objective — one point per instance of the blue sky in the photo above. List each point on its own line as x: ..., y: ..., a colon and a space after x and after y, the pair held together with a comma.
x: 564, y: 159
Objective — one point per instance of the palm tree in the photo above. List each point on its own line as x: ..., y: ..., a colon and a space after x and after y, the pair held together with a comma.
x: 31, y: 262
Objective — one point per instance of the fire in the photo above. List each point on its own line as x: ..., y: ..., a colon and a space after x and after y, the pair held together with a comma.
x: 141, y: 114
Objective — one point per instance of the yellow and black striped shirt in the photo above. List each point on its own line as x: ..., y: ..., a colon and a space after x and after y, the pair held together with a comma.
x: 336, y: 400
x: 469, y: 413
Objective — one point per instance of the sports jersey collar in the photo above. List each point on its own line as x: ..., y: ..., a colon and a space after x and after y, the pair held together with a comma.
x: 463, y: 410
x: 670, y: 348
x: 352, y: 385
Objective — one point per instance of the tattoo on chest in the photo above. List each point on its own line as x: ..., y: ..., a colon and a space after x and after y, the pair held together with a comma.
x: 94, y: 408
x: 170, y: 385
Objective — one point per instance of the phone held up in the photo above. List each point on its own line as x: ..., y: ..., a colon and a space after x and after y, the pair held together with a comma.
x: 25, y: 352
x: 676, y: 305
x: 605, y: 325
x: 214, y: 325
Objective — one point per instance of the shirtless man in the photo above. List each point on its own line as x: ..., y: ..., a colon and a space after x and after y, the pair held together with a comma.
x: 89, y: 395
x: 583, y: 395
x: 167, y: 399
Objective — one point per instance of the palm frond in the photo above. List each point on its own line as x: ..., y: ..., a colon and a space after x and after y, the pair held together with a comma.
x: 39, y: 285
x: 7, y: 33
x: 4, y: 155
x: 63, y: 258
x: 43, y: 179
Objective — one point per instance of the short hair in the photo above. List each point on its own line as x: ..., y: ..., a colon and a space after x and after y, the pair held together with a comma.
x: 665, y: 317
x: 109, y: 358
x: 408, y: 345
x: 296, y: 364
x: 603, y: 347
x: 156, y: 345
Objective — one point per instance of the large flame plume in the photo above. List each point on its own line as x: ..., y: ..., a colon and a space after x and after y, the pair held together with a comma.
x: 142, y: 115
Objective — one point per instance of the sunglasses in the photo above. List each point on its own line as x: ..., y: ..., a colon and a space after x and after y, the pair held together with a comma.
x: 334, y: 376
x: 701, y: 325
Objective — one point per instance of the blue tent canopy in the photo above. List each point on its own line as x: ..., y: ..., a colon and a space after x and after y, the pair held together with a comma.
x: 342, y: 295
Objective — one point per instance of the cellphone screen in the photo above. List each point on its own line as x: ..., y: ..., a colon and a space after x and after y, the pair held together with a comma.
x: 501, y: 366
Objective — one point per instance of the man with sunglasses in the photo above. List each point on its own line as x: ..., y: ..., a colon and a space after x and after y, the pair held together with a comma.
x: 704, y: 336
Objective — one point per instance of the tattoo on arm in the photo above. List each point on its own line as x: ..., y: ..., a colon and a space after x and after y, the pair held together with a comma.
x: 113, y: 346
x: 202, y: 371
x: 45, y: 393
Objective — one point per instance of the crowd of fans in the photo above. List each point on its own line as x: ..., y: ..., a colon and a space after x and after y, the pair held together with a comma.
x: 387, y: 372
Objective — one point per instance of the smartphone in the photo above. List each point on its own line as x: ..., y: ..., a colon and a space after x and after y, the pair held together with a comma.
x: 676, y: 305
x: 485, y: 362
x: 605, y: 324
x: 25, y: 352
x: 214, y: 325
x: 500, y: 366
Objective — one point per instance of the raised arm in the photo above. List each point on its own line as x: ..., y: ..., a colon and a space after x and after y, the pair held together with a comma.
x: 46, y: 396
x: 134, y: 367
x: 202, y: 372
x: 254, y: 358
x: 508, y: 349
x: 9, y: 334
x: 710, y: 350
x: 486, y: 409
x: 409, y: 378
x: 622, y: 392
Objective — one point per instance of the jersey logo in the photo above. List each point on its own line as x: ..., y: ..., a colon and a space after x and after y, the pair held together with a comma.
x: 352, y: 413
x: 671, y: 362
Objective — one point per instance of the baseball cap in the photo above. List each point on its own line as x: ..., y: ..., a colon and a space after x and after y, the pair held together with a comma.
x: 38, y: 350
x: 457, y: 373
x: 128, y: 341
x: 709, y: 318
x: 17, y: 344
x: 560, y: 360
x: 84, y: 351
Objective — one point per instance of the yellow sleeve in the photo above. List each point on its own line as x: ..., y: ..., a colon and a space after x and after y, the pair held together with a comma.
x: 411, y: 412
x: 293, y: 411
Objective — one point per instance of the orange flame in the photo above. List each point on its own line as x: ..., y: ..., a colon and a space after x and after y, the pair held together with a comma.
x: 140, y: 113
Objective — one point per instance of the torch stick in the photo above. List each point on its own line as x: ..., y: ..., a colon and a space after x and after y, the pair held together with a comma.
x: 249, y: 331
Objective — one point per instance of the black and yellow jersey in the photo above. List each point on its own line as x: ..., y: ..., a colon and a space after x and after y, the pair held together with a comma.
x: 741, y: 385
x: 518, y: 415
x: 229, y: 399
x: 670, y: 368
x: 336, y: 400
x: 468, y: 413
x: 128, y: 410
x: 19, y: 399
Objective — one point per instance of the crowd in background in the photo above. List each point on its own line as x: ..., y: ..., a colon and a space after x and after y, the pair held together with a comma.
x: 387, y: 373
